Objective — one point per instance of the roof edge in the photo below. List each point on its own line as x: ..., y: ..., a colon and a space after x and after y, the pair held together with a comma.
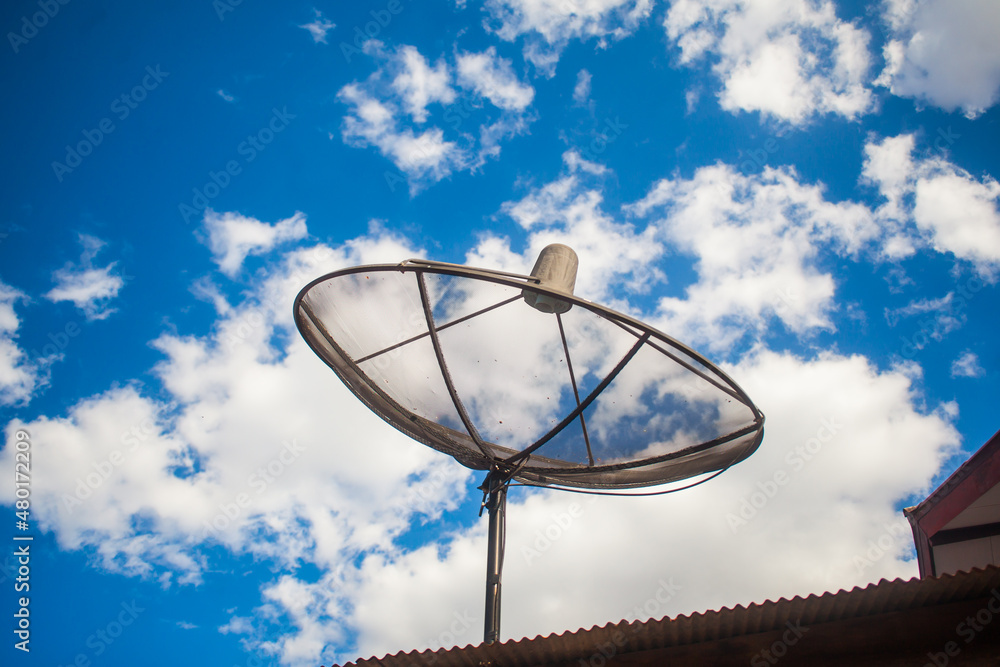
x: 874, y: 599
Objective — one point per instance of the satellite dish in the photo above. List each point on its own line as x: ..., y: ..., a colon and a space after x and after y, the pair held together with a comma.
x: 517, y: 376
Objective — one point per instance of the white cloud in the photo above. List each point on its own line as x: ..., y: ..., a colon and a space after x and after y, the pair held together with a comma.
x: 757, y: 243
x: 251, y: 447
x: 549, y: 25
x: 89, y: 288
x: 967, y: 365
x: 691, y: 98
x: 952, y: 210
x: 205, y: 290
x: 581, y: 91
x: 850, y: 458
x: 150, y: 482
x: 918, y: 307
x: 493, y: 77
x: 960, y: 213
x: 20, y: 376
x: 310, y: 615
x: 419, y: 84
x: 424, y: 158
x: 937, y: 318
x: 491, y: 136
x: 233, y: 237
x: 576, y: 162
x: 944, y: 52
x: 375, y: 118
x: 319, y: 27
x: 569, y: 210
x: 405, y: 84
x: 755, y: 240
x: 889, y: 165
x: 790, y: 59
x: 237, y: 625
x: 224, y: 95
x: 839, y: 505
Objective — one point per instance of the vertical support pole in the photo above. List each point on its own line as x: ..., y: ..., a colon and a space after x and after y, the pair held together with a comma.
x: 496, y: 504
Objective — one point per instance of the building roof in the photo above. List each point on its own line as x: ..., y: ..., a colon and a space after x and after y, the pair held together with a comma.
x: 894, y: 620
x: 966, y: 506
x: 971, y: 480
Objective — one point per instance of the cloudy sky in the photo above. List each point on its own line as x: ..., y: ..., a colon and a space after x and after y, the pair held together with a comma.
x: 803, y: 190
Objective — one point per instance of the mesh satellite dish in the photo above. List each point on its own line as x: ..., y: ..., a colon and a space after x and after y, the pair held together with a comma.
x: 516, y: 376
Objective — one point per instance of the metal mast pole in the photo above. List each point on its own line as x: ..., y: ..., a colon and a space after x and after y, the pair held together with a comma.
x: 496, y: 504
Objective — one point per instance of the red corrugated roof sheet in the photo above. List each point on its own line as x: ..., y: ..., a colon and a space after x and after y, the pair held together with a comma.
x: 657, y: 637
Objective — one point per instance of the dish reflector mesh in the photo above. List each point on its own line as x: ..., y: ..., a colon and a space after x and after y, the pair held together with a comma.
x: 455, y: 358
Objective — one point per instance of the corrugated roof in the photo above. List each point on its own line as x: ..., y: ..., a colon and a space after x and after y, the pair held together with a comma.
x: 882, y: 598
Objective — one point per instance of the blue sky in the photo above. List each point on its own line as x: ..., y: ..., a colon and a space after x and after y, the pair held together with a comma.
x: 804, y: 191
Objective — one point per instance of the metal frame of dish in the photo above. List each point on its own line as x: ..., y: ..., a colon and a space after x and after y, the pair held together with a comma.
x: 526, y: 465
